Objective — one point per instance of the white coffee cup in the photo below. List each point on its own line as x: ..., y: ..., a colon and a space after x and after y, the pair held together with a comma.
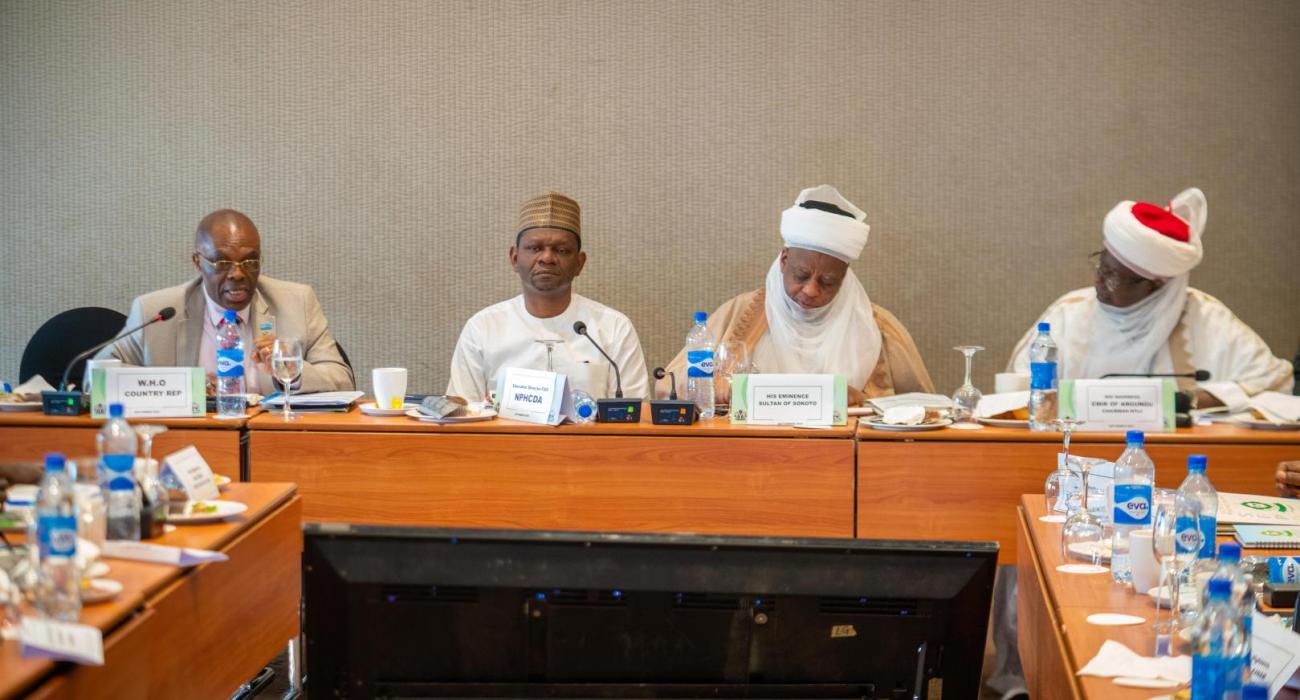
x: 1004, y: 382
x: 96, y: 364
x: 389, y: 384
x: 1146, y: 569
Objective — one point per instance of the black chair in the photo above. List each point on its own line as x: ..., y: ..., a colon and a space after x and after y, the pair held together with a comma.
x: 61, y: 338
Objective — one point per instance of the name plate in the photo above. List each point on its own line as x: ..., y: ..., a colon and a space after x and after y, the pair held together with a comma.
x: 1119, y: 404
x: 789, y: 399
x: 533, y: 396
x: 194, y: 474
x: 156, y: 392
x: 63, y: 641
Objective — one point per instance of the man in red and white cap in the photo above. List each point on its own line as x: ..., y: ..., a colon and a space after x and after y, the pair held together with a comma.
x: 1140, y: 316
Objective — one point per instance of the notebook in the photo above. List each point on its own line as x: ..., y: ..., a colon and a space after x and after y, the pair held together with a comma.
x: 1267, y: 536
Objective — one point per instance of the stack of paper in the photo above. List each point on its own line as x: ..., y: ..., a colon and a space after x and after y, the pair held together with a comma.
x: 324, y: 401
x: 1277, y: 407
x: 991, y: 405
x: 933, y: 402
x: 1248, y: 509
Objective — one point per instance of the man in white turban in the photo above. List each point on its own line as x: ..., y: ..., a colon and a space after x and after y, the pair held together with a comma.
x: 813, y: 315
x: 1140, y: 316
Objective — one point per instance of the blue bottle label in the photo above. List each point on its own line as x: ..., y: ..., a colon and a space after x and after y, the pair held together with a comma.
x: 700, y: 363
x: 1132, y: 504
x: 230, y: 362
x: 1208, y: 523
x: 1042, y: 375
x: 1207, y: 675
x: 1188, y: 536
x: 58, y: 535
x: 119, y: 472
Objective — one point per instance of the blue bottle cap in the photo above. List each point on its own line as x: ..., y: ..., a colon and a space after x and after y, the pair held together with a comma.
x: 1135, y: 437
x: 584, y: 410
x: 1044, y: 326
x: 1220, y: 587
x: 55, y: 462
x: 1196, y: 463
x: 1230, y: 551
x: 115, y: 410
x: 231, y: 316
x: 1254, y: 691
x: 701, y: 316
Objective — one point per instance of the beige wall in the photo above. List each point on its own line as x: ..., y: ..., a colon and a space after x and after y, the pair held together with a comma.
x: 382, y: 148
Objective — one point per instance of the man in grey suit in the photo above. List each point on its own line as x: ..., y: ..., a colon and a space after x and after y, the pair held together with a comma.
x: 227, y: 254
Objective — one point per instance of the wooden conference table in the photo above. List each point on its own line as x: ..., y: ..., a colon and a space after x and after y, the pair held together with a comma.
x: 180, y: 633
x: 27, y: 436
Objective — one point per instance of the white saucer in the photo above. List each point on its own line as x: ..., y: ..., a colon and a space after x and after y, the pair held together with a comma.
x: 101, y: 589
x: 370, y: 409
x: 1081, y: 569
x: 1160, y: 594
x: 1052, y: 518
x: 879, y: 424
x: 222, y: 481
x: 485, y: 413
x: 224, y: 510
x: 1114, y: 619
x: 97, y: 570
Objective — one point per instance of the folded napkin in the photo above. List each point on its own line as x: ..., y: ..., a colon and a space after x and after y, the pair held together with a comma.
x: 994, y: 404
x: 1115, y: 660
x: 31, y: 389
x: 1277, y: 407
x: 904, y: 415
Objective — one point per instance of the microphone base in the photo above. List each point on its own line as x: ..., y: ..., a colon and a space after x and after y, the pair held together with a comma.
x: 62, y: 403
x: 672, y: 412
x: 618, y: 410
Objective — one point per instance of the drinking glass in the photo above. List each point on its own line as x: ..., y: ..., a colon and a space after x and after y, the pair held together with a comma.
x: 146, y: 434
x: 732, y: 359
x: 1062, y: 476
x: 1055, y: 489
x: 286, y: 365
x: 967, y: 397
x: 550, y: 344
x: 1176, y: 536
x: 1083, y: 533
x: 1164, y: 546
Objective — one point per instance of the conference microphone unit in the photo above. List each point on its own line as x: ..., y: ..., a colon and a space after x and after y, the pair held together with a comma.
x: 670, y: 411
x: 1182, y: 400
x: 617, y: 409
x: 69, y: 403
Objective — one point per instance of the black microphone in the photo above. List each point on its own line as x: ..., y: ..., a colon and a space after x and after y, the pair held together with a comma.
x: 1200, y: 375
x: 672, y: 387
x: 617, y: 409
x: 68, y: 403
x: 671, y: 411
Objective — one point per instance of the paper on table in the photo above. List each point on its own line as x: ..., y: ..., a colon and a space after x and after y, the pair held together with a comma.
x: 66, y: 641
x: 1274, y: 652
x: 322, y: 398
x: 992, y: 404
x: 1277, y: 407
x: 1249, y: 509
x: 915, y: 398
x: 1114, y: 660
x: 31, y: 389
x: 904, y: 415
x: 160, y: 554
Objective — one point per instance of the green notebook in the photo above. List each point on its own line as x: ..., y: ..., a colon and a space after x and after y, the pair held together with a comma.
x: 1267, y: 536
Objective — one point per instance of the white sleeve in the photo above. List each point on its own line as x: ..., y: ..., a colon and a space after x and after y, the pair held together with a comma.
x: 467, y: 377
x: 631, y: 362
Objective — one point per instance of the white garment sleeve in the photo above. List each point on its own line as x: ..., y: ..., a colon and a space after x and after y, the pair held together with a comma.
x: 468, y: 379
x: 631, y: 362
x: 1238, y: 354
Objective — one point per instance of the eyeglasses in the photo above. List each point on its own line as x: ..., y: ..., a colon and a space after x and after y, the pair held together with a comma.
x: 225, y: 267
x: 1110, y: 277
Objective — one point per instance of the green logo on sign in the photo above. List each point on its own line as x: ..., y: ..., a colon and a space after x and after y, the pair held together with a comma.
x: 1261, y: 505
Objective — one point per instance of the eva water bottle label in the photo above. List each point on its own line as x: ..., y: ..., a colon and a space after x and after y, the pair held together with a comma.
x: 230, y: 362
x: 1188, y: 537
x: 1042, y: 375
x: 1208, y: 523
x: 119, y: 471
x: 1132, y: 504
x: 58, y: 535
x: 700, y: 363
x: 1284, y: 569
x: 1207, y: 671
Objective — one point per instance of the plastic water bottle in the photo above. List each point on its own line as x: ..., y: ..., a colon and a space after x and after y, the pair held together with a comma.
x: 1219, y: 640
x: 58, y: 581
x: 1042, y: 380
x: 699, y: 371
x: 1135, y: 474
x: 231, y: 400
x: 1242, y: 600
x: 1197, y: 486
x: 116, y: 442
x: 584, y: 407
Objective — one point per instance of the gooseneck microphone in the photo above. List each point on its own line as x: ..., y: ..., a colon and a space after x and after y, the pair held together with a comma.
x: 581, y: 329
x: 68, y: 403
x: 671, y: 411
x: 1200, y: 375
x: 672, y: 387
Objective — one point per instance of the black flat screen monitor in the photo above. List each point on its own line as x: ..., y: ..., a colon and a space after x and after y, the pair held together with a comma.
x: 420, y: 612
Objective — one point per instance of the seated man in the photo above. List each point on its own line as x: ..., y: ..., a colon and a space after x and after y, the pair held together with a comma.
x: 227, y: 254
x: 813, y: 316
x: 1140, y: 316
x: 535, y: 329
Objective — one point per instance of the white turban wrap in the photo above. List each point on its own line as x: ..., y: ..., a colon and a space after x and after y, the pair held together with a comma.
x: 1150, y: 252
x: 821, y: 231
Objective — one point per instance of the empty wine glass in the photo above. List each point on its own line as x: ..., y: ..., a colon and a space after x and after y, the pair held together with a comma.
x: 550, y: 344
x: 967, y: 397
x: 1164, y: 535
x: 732, y: 359
x: 1056, y: 491
x: 286, y: 365
x: 1083, y: 534
x: 146, y: 434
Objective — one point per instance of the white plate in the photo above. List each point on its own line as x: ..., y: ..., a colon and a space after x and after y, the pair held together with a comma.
x: 1256, y: 424
x: 1146, y: 683
x: 1085, y: 549
x: 222, y: 481
x: 1160, y: 594
x: 1114, y: 619
x: 878, y: 424
x: 1081, y: 569
x: 861, y: 410
x: 224, y: 510
x: 101, y: 589
x: 97, y: 570
x: 1052, y: 518
x: 1005, y: 422
x: 370, y: 409
x: 485, y: 413
x: 16, y: 406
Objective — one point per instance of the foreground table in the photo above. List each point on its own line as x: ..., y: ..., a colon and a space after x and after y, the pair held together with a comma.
x: 197, y: 632
x: 709, y: 478
x: 964, y: 484
x: 26, y: 437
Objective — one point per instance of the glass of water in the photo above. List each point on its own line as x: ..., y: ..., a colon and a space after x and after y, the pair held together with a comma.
x: 732, y: 359
x: 286, y: 365
x: 967, y: 397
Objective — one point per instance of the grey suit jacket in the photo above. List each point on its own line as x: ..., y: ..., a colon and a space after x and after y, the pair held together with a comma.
x: 175, y: 343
